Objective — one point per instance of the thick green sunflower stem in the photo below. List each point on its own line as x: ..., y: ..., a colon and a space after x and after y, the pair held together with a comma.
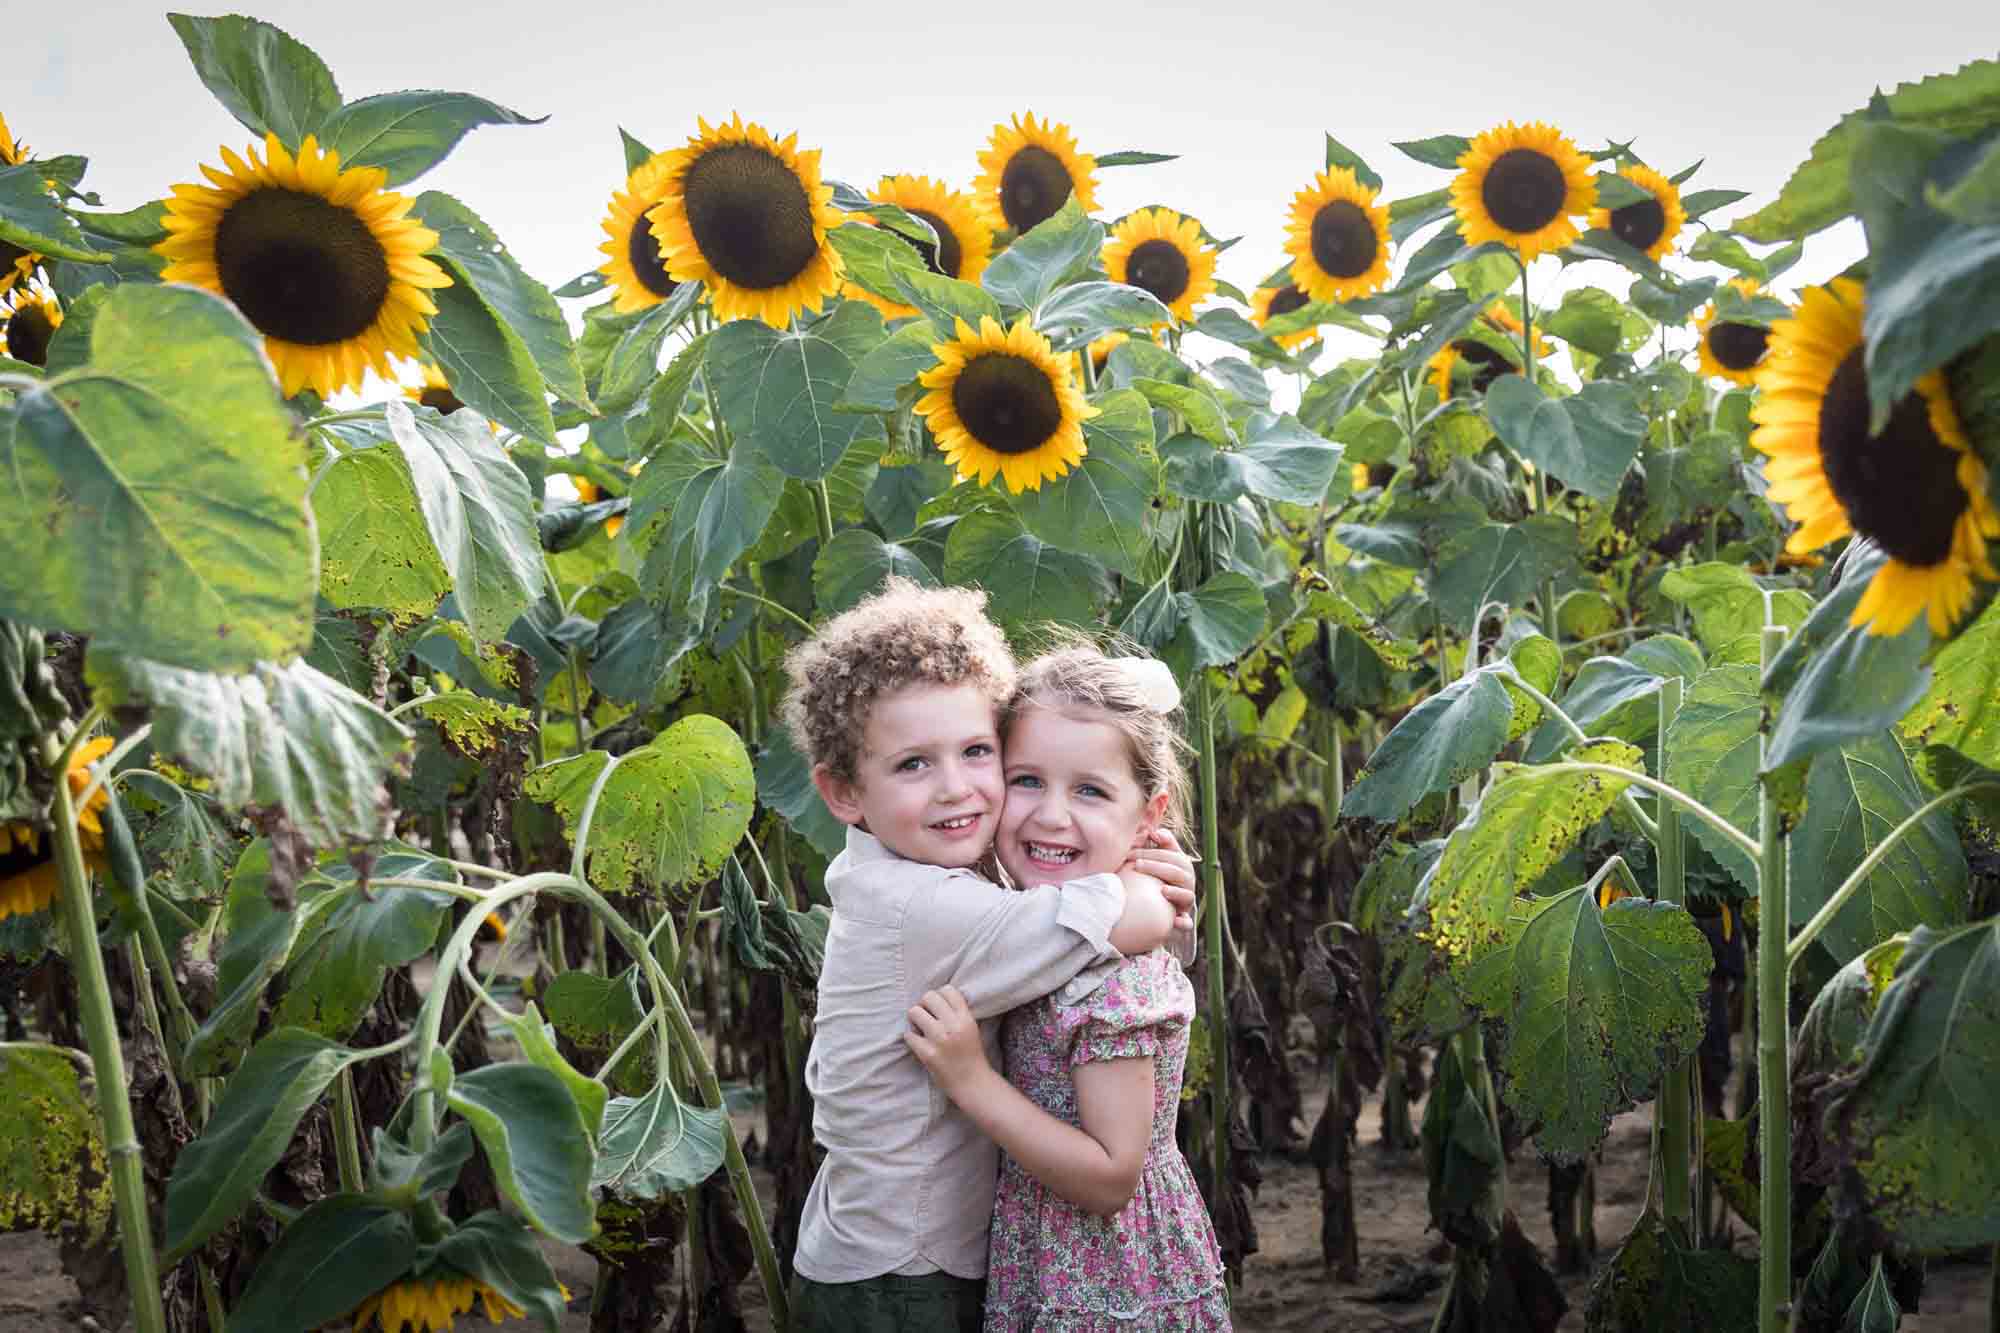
x: 1551, y: 626
x: 1676, y: 1105
x: 1774, y: 1113
x: 1212, y: 942
x: 100, y: 1027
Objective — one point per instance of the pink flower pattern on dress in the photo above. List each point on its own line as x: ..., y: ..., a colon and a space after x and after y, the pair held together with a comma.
x: 1055, y: 1268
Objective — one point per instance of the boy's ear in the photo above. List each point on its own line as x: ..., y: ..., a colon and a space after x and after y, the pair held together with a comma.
x: 842, y: 797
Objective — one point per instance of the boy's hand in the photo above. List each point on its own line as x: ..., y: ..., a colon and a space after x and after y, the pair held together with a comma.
x: 1164, y: 860
x: 944, y: 1036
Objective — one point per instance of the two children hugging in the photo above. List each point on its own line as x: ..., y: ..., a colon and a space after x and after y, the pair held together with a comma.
x: 956, y: 771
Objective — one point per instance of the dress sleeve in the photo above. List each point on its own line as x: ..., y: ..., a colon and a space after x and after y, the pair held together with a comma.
x: 1003, y: 948
x: 1128, y: 1017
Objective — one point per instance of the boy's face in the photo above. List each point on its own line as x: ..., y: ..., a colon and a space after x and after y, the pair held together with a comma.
x: 928, y: 782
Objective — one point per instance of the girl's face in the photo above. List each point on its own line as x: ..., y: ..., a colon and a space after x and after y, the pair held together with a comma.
x: 1074, y: 806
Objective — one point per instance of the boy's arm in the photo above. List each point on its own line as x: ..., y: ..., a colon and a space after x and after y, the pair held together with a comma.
x: 1097, y: 1167
x: 1002, y: 948
x: 1148, y: 918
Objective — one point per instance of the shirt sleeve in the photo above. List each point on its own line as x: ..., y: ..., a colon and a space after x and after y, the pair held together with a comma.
x: 1003, y: 948
x: 1128, y: 1017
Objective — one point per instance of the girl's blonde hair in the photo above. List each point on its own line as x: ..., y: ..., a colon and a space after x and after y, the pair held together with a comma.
x: 1077, y: 673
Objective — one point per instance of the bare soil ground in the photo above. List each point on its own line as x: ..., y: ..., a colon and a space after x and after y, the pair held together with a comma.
x: 1285, y: 1288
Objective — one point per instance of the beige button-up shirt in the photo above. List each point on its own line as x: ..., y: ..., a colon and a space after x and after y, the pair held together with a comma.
x: 907, y: 1184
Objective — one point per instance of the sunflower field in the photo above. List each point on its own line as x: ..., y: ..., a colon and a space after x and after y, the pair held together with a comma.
x: 1596, y: 695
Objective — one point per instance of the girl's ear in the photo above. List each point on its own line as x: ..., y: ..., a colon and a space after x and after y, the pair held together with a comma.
x: 842, y: 796
x: 1152, y: 813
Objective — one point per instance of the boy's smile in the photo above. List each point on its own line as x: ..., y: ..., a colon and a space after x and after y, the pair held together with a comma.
x: 928, y: 782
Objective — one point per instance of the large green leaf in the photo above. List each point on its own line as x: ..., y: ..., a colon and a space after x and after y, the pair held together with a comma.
x: 1605, y: 1002
x: 288, y: 738
x: 784, y: 784
x: 1100, y: 508
x: 257, y: 938
x: 873, y: 256
x: 1281, y: 460
x: 538, y: 1046
x: 55, y: 1176
x: 248, y: 1132
x: 486, y: 362
x: 1026, y: 578
x: 1440, y: 743
x: 853, y: 565
x: 337, y: 965
x: 1084, y: 311
x: 481, y: 515
x: 155, y: 498
x: 1660, y: 1282
x: 630, y: 348
x: 375, y: 548
x: 1586, y: 441
x: 1962, y: 706
x: 1217, y: 623
x: 1711, y: 753
x: 778, y: 387
x: 333, y: 1256
x: 536, y: 1142
x: 1500, y: 562
x: 882, y: 375
x: 501, y: 1252
x: 1728, y: 605
x: 668, y: 816
x: 523, y: 306
x: 32, y: 219
x: 694, y: 515
x: 1854, y: 796
x: 657, y: 1145
x: 1611, y: 696
x: 1521, y: 827
x: 596, y: 1014
x: 1915, y: 1124
x: 408, y: 133
x: 262, y: 76
x: 1196, y: 403
x: 1062, y: 247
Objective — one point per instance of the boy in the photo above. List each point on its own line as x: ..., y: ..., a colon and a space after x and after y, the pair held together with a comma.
x: 894, y: 703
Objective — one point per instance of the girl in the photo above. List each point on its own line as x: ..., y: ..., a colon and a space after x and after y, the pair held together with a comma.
x: 1097, y: 1224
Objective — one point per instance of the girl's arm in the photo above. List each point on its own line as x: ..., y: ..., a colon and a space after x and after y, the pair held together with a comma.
x: 1096, y: 1167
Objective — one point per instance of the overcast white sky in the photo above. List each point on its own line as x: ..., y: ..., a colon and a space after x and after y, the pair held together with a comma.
x: 1243, y: 91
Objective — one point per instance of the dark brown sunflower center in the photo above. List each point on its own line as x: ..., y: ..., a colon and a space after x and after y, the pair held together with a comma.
x: 1033, y: 187
x: 10, y: 257
x: 301, y: 269
x: 750, y: 215
x: 1486, y: 364
x: 444, y: 400
x: 1288, y: 299
x: 1900, y: 487
x: 28, y: 334
x: 642, y: 248
x: 1738, y: 346
x: 944, y: 257
x: 1158, y: 267
x: 18, y: 859
x: 1524, y: 190
x: 1007, y: 403
x: 1344, y: 243
x: 1639, y: 225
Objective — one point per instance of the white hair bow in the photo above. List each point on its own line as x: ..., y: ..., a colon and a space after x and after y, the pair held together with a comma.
x: 1154, y: 681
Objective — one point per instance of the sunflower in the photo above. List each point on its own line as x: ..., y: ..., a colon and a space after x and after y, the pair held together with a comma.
x: 632, y: 262
x: 1267, y: 303
x: 29, y: 879
x: 1159, y: 251
x: 16, y: 264
x: 747, y: 215
x: 1915, y: 489
x: 325, y: 263
x: 589, y: 492
x: 964, y: 242
x: 1338, y: 238
x: 1001, y: 401
x: 1730, y: 350
x: 428, y: 1305
x: 1499, y: 315
x: 434, y: 392
x: 1032, y: 167
x: 1650, y: 225
x: 28, y: 319
x: 1520, y: 185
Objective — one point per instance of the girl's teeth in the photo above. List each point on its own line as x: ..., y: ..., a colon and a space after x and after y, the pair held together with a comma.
x: 1042, y: 852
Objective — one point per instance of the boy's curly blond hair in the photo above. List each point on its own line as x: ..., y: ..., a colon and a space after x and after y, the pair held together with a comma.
x: 906, y: 634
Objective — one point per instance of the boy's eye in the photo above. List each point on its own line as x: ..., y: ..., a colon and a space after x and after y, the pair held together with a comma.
x: 978, y: 750
x: 910, y: 765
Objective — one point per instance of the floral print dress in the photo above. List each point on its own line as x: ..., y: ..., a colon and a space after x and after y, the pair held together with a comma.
x: 1055, y: 1268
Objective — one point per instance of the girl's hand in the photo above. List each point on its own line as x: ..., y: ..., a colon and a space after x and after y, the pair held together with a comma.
x: 1164, y: 860
x: 944, y: 1036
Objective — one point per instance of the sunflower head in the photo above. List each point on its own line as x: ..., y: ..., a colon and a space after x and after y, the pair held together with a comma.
x: 325, y: 263
x: 1159, y: 251
x: 747, y: 215
x: 1002, y: 402
x: 1500, y: 316
x: 29, y: 879
x: 1730, y: 349
x: 423, y: 1304
x: 1522, y: 185
x: 1470, y: 362
x: 1650, y: 225
x: 964, y: 242
x: 29, y: 318
x: 1338, y: 238
x: 1915, y: 488
x: 632, y: 261
x: 1267, y: 303
x: 12, y: 153
x: 1029, y: 169
x: 16, y: 264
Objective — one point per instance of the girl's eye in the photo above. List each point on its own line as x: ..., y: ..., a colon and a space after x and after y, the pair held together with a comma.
x: 1027, y: 781
x: 1087, y: 789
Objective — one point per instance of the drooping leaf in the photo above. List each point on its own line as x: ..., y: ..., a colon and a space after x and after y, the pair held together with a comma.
x: 1026, y: 578
x: 784, y: 783
x: 596, y: 1014
x: 163, y: 473
x: 778, y: 388
x: 1605, y: 1001
x: 336, y: 968
x: 1586, y: 441
x: 408, y: 133
x: 873, y: 256
x: 1441, y: 742
x: 334, y: 1255
x: 1085, y: 311
x: 1281, y: 460
x: 1196, y: 403
x: 1044, y: 258
x: 56, y: 1177
x: 536, y: 1142
x: 376, y: 551
x: 262, y: 76
x: 657, y: 1144
x: 538, y: 1047
x: 694, y: 515
x: 1659, y: 1282
x: 501, y: 1252
x: 1499, y: 562
x: 668, y: 816
x: 31, y: 219
x: 398, y: 1174
x: 1711, y: 753
x: 1217, y: 623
